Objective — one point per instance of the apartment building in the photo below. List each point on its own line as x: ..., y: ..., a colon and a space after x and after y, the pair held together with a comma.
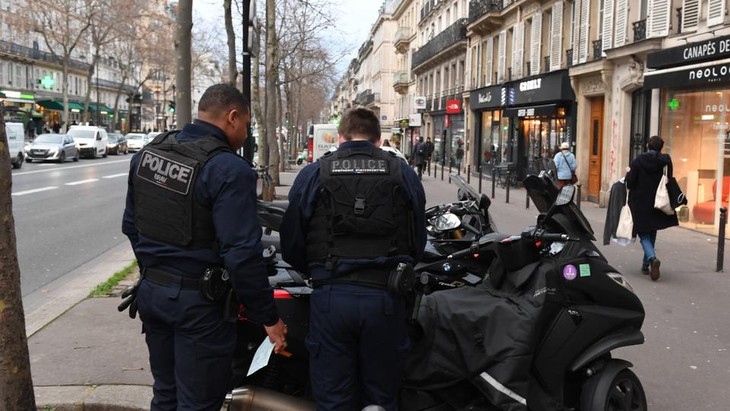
x: 407, y: 117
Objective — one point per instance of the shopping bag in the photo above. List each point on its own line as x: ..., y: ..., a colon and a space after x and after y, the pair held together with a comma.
x: 625, y: 229
x: 661, y: 199
x: 676, y: 196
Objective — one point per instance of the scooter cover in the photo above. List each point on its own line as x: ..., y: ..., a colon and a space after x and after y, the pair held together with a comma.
x: 482, y: 332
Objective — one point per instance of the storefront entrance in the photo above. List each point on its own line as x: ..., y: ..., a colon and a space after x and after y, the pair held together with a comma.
x: 595, y: 151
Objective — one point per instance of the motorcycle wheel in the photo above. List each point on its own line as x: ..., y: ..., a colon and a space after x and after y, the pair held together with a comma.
x: 613, y: 389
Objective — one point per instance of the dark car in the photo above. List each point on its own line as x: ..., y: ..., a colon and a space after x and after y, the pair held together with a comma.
x: 117, y: 144
x: 53, y: 147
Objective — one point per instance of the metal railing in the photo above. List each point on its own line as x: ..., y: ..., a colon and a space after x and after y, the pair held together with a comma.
x: 401, y: 78
x: 402, y: 34
x: 569, y: 57
x: 478, y: 8
x: 546, y: 63
x: 639, y: 30
x: 39, y: 55
x: 452, y: 35
x: 597, y: 49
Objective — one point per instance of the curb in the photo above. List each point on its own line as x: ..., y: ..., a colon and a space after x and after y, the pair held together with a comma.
x: 94, y: 398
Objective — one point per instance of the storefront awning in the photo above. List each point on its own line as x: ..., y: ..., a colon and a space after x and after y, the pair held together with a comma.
x: 75, y: 107
x: 58, y: 105
x: 707, y: 73
x: 102, y: 108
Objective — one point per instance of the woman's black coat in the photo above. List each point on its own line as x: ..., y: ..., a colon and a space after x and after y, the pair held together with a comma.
x: 642, y: 181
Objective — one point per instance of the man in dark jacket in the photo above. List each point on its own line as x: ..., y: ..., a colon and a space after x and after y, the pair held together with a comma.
x: 642, y: 180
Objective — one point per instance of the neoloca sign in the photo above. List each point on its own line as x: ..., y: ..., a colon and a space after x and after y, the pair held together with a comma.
x: 689, y: 77
x: 708, y: 50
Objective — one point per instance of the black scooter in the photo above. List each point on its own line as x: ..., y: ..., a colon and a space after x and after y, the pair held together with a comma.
x: 535, y: 334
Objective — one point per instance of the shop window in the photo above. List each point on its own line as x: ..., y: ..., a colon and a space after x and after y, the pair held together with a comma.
x: 640, y: 101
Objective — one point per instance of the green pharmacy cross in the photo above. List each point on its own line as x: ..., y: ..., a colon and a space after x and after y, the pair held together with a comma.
x: 47, y: 82
x: 673, y: 104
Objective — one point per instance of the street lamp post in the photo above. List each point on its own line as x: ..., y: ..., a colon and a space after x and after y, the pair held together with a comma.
x: 97, y: 91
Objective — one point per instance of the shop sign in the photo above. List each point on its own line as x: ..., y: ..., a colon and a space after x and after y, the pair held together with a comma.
x: 708, y: 50
x: 487, y: 97
x: 419, y: 103
x: 717, y: 73
x: 18, y: 95
x: 550, y: 87
x: 453, y: 106
x: 414, y: 120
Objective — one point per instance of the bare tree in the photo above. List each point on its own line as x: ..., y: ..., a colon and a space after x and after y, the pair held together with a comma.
x: 16, y: 384
x: 63, y: 24
x: 270, y: 155
x: 231, y: 36
x: 184, y: 61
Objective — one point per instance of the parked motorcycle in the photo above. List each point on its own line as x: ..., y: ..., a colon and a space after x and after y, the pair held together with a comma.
x: 535, y: 331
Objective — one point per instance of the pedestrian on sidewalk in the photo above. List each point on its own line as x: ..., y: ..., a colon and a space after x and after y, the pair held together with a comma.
x: 566, y: 165
x: 419, y: 156
x: 429, y: 152
x: 190, y: 213
x: 642, y: 180
x: 349, y: 231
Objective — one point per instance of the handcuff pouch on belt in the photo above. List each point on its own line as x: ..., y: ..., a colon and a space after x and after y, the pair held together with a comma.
x: 215, y: 284
x: 399, y: 280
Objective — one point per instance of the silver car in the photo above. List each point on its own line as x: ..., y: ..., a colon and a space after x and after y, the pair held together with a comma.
x: 135, y: 141
x: 53, y: 147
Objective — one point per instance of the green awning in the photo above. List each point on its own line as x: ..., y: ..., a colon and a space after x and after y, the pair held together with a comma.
x: 102, y: 108
x: 50, y: 104
x: 76, y: 106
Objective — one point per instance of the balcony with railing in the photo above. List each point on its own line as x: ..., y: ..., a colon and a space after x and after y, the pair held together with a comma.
x: 442, y: 45
x: 401, y: 80
x: 569, y: 57
x: 597, y: 49
x: 402, y: 39
x: 17, y: 50
x: 639, y: 30
x: 484, y: 15
x: 365, y: 49
x: 364, y: 98
x: 546, y: 64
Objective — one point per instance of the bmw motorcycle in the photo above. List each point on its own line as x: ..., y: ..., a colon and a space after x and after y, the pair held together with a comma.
x: 536, y: 332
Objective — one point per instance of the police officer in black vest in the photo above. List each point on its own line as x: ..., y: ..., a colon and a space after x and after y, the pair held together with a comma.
x: 355, y: 217
x: 191, y: 218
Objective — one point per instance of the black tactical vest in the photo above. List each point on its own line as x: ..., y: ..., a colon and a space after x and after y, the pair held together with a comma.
x: 165, y: 208
x: 362, y: 210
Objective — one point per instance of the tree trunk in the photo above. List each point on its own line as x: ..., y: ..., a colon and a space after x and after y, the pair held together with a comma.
x: 90, y: 82
x: 64, y: 86
x: 183, y: 104
x: 16, y: 384
x: 256, y: 96
x: 271, y: 93
x: 228, y: 16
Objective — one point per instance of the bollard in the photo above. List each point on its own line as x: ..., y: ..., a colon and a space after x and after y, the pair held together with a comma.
x: 442, y: 171
x: 458, y: 170
x: 580, y: 187
x: 480, y: 179
x: 509, y: 174
x: 721, y: 239
x: 494, y: 179
x: 527, y: 200
x: 468, y: 174
x: 435, y: 164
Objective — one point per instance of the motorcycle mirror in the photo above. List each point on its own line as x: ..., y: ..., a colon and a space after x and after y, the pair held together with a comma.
x: 446, y: 221
x: 462, y: 195
x: 566, y: 195
x: 484, y: 202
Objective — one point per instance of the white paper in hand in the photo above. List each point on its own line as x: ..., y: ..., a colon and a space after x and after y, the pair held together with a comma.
x: 262, y: 356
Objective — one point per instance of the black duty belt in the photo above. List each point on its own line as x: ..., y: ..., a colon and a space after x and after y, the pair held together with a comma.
x: 369, y: 277
x: 161, y: 277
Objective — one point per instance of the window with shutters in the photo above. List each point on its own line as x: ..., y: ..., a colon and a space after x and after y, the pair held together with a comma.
x: 607, y: 26
x: 621, y: 20
x: 657, y: 24
x: 585, y: 9
x: 690, y: 15
x: 490, y: 56
x: 518, y: 47
x: 556, y: 36
x: 535, y: 44
x: 715, y: 12
x: 575, y: 30
x: 501, y: 56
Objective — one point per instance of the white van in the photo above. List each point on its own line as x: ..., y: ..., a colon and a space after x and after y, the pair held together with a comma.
x: 15, y: 133
x: 322, y: 138
x: 92, y: 140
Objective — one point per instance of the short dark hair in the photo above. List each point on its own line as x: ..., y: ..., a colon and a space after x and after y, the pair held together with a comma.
x: 220, y: 98
x: 361, y: 121
x: 655, y: 143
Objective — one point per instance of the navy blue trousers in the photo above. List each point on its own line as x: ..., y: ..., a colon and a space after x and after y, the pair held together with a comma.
x: 357, y: 344
x: 190, y: 346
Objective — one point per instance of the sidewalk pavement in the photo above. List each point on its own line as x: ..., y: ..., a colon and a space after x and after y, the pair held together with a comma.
x: 91, y: 357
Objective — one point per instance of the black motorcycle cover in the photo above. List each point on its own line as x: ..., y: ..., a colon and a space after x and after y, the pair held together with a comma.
x: 482, y: 333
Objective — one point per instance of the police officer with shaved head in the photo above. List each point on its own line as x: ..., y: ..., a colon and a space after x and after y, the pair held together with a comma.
x: 191, y: 218
x: 354, y: 224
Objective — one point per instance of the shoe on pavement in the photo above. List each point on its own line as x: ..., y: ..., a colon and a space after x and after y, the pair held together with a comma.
x: 645, y: 270
x: 654, y: 271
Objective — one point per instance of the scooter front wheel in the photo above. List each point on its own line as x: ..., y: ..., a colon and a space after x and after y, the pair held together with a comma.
x: 613, y: 389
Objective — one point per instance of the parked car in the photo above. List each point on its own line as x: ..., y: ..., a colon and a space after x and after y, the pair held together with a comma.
x: 15, y: 137
x: 151, y: 136
x: 117, y: 144
x: 53, y: 147
x: 135, y: 141
x: 92, y: 140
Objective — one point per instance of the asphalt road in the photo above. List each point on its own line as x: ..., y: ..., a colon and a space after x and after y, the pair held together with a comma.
x: 66, y: 215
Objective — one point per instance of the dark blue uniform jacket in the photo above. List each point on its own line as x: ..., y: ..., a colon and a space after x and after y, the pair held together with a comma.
x: 302, y: 202
x: 227, y: 184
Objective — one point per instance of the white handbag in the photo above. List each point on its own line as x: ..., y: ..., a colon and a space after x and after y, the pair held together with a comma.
x: 661, y: 199
x: 625, y: 229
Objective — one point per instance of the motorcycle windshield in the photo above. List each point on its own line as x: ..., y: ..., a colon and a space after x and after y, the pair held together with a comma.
x: 465, y: 187
x: 543, y: 193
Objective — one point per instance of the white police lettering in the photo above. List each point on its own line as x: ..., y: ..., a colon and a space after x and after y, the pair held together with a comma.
x: 358, y: 166
x: 533, y: 84
x: 165, y: 173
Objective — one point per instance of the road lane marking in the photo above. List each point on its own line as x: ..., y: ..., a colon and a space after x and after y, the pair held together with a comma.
x: 116, y: 175
x: 68, y: 167
x: 75, y: 183
x: 37, y: 190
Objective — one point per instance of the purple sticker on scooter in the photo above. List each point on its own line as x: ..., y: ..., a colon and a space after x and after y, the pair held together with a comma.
x: 570, y: 272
